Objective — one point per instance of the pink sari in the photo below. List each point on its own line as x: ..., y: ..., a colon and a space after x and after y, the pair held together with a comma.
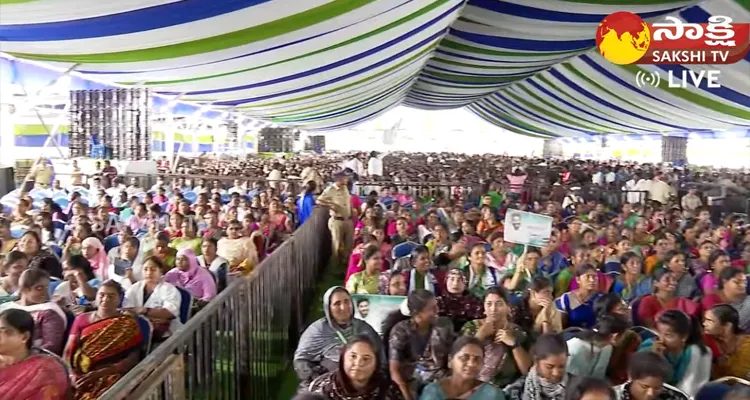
x: 356, y: 257
x: 38, y: 377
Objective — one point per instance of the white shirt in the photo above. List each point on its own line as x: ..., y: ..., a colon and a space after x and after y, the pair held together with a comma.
x: 660, y: 191
x: 165, y: 296
x: 355, y: 165
x: 375, y: 166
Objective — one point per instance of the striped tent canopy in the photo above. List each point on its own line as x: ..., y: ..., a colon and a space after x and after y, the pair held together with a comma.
x: 525, y: 65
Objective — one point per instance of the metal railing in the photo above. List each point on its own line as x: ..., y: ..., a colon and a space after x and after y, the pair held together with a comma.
x: 241, y: 342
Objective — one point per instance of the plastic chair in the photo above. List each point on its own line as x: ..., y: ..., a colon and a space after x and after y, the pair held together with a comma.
x: 57, y: 224
x: 147, y: 330
x: 487, y: 247
x: 185, y: 304
x: 403, y: 250
x: 17, y: 231
x: 192, y: 197
x: 570, y: 333
x: 110, y: 242
x: 225, y: 198
x: 164, y: 206
x: 57, y: 250
x: 644, y: 333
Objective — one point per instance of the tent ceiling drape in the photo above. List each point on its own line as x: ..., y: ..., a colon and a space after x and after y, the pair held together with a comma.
x: 526, y: 65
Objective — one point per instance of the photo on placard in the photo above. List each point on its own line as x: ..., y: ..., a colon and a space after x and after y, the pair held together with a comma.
x: 374, y: 308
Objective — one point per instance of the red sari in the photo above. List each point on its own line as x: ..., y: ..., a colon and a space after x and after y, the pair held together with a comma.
x: 38, y: 377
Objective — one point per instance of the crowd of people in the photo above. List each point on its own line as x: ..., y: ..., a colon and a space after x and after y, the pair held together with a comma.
x: 643, y: 300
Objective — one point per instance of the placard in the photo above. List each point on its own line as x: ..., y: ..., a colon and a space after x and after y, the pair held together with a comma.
x: 374, y: 308
x: 527, y: 228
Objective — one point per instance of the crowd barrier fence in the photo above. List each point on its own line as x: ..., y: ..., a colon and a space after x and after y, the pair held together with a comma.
x: 241, y: 342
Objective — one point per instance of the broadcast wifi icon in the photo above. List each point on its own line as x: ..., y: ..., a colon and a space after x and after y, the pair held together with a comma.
x: 647, y: 79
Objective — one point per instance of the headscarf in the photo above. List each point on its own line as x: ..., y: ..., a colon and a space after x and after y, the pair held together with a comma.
x: 100, y: 261
x: 196, y: 280
x: 461, y: 307
x: 318, y: 349
x: 538, y: 388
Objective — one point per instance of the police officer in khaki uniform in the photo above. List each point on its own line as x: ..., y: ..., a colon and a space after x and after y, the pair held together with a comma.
x: 337, y: 198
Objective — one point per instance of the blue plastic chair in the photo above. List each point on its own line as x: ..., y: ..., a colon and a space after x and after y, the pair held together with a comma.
x: 62, y: 202
x: 147, y: 330
x: 192, y: 197
x: 17, y: 231
x: 57, y: 224
x: 110, y: 242
x: 487, y: 247
x: 225, y: 198
x: 644, y: 333
x: 403, y: 250
x: 185, y: 305
x: 164, y: 207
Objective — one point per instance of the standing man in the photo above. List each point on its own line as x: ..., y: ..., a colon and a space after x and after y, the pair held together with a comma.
x: 338, y: 199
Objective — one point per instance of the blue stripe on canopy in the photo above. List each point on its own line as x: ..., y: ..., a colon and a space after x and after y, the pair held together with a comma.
x: 146, y: 19
x: 550, y: 15
x: 525, y: 44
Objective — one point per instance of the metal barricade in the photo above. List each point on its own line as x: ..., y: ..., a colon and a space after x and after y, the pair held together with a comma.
x: 240, y: 343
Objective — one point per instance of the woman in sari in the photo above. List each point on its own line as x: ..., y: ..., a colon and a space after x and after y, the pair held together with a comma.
x: 578, y: 306
x: 358, y: 376
x: 155, y: 299
x: 39, y: 257
x: 465, y: 362
x: 174, y: 230
x: 627, y: 343
x: 93, y: 249
x: 632, y: 283
x: 13, y: 266
x: 536, y: 312
x: 277, y: 217
x: 103, y: 345
x: 367, y: 280
x: 49, y: 319
x: 679, y: 341
x: 213, y: 263
x: 647, y: 376
x: 499, y: 257
x: 356, y: 264
x: 79, y: 286
x: 26, y: 373
x: 162, y: 251
x: 189, y: 238
x: 505, y: 358
x: 126, y: 267
x: 392, y: 283
x: 238, y: 250
x: 732, y: 291
x: 456, y: 303
x: 722, y: 332
x: 320, y: 345
x: 547, y: 379
x: 664, y: 298
x: 418, y: 342
x: 187, y: 274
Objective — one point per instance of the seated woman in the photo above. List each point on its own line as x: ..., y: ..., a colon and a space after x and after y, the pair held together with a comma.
x: 500, y: 257
x: 627, y: 342
x: 578, y: 258
x: 211, y: 261
x: 418, y: 340
x: 103, y: 345
x: 480, y: 276
x: 732, y: 291
x: 519, y: 278
x: 187, y: 274
x: 420, y: 276
x: 189, y: 238
x: 632, y: 283
x: 709, y: 281
x: 679, y: 342
x: 49, y: 319
x: 39, y: 257
x: 367, y: 280
x: 126, y: 267
x: 465, y: 362
x: 93, y: 249
x: 665, y: 286
x: 676, y: 263
x: 536, y: 312
x: 392, y: 283
x: 155, y: 299
x: 578, y: 306
x: 13, y: 266
x: 456, y: 303
x: 320, y: 345
x: 648, y: 374
x: 26, y: 373
x: 359, y: 374
x: 505, y: 355
x: 721, y: 327
x: 7, y: 243
x: 589, y: 351
x: 402, y: 233
x: 238, y: 250
x: 162, y: 251
x: 547, y: 379
x: 79, y: 286
x: 174, y: 230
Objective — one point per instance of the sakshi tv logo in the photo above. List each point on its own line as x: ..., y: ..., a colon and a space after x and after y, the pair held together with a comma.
x: 623, y: 38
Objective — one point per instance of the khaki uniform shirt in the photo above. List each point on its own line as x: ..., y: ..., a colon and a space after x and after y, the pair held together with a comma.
x: 340, y: 197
